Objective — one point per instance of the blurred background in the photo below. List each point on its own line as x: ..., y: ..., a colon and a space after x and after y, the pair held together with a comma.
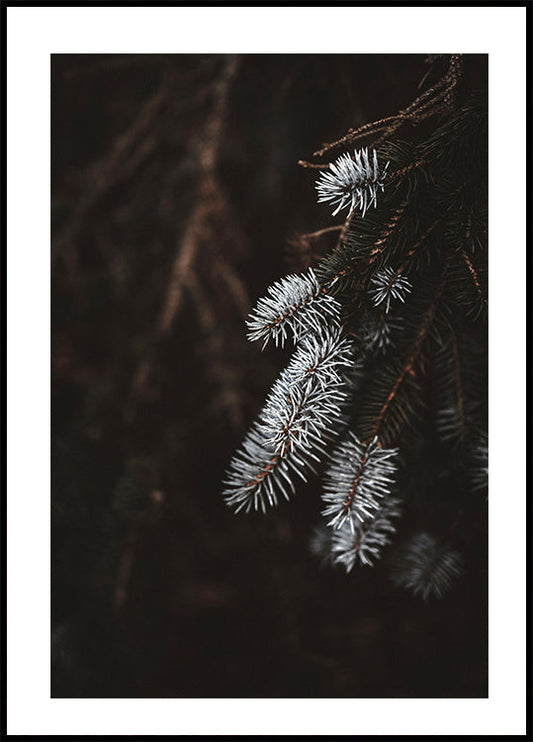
x: 177, y: 199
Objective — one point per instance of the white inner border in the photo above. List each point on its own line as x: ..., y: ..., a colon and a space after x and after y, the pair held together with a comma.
x: 33, y: 34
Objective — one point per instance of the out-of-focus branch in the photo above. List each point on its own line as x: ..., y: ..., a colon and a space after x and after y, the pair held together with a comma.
x: 433, y: 101
x: 197, y: 229
x: 129, y: 144
x: 209, y: 146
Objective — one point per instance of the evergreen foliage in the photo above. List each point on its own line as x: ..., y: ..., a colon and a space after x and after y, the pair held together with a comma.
x: 363, y: 544
x: 402, y: 298
x: 176, y: 200
x: 352, y: 182
x: 425, y: 566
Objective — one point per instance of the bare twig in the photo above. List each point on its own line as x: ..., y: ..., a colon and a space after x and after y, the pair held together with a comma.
x: 125, y: 146
x: 209, y: 146
x: 197, y: 227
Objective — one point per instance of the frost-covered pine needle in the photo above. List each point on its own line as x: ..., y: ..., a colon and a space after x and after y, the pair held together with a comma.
x: 359, y: 476
x: 365, y: 542
x: 426, y: 567
x: 322, y: 358
x: 293, y: 306
x: 302, y: 414
x: 258, y: 476
x: 299, y: 413
x: 389, y: 285
x: 352, y: 182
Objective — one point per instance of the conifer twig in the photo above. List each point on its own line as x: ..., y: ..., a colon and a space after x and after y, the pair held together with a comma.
x: 409, y: 363
x: 475, y: 278
x: 425, y: 105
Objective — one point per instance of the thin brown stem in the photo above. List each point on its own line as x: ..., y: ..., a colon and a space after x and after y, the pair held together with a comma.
x: 407, y: 367
x: 355, y: 484
x: 427, y: 104
x: 196, y: 227
x: 320, y: 232
x: 474, y: 276
x: 126, y: 145
x: 458, y: 384
x: 209, y: 148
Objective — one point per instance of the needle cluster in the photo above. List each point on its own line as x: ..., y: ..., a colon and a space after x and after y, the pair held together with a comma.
x: 293, y: 306
x: 426, y: 567
x: 364, y: 543
x: 352, y: 182
x: 359, y: 477
x: 389, y: 285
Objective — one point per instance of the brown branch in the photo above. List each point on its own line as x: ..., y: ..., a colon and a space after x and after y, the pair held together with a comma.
x: 458, y: 384
x: 426, y: 105
x: 382, y: 240
x: 474, y: 276
x: 196, y: 227
x: 355, y: 484
x: 108, y: 169
x: 209, y: 147
x: 407, y: 368
x: 320, y: 232
x: 428, y: 232
x: 262, y: 474
x: 304, y: 163
x: 404, y: 170
x: 352, y: 134
x: 184, y: 259
x: 375, y: 252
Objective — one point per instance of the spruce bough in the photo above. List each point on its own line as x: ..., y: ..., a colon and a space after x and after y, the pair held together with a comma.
x: 388, y: 381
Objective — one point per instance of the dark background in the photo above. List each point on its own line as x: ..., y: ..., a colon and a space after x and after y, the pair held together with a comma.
x: 177, y: 198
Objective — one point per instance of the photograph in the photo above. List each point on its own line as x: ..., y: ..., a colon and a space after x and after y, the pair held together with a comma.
x: 269, y: 375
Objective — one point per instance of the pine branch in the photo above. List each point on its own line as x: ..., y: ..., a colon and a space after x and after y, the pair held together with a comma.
x: 426, y: 567
x: 295, y: 305
x: 322, y: 359
x: 297, y: 415
x: 430, y: 103
x: 352, y: 183
x: 301, y: 416
x: 386, y: 411
x: 399, y: 276
x: 476, y: 280
x: 406, y: 369
x: 459, y: 386
x: 389, y: 285
x: 365, y: 542
x: 257, y: 475
x: 359, y: 477
x: 378, y: 331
